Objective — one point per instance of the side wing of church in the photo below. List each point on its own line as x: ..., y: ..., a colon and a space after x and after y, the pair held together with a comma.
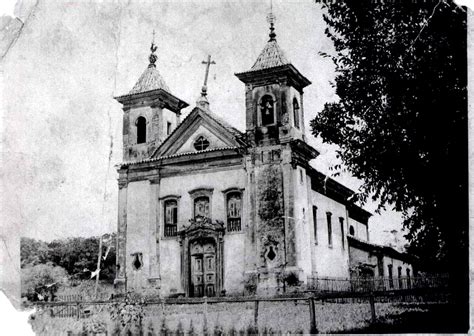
x: 207, y: 210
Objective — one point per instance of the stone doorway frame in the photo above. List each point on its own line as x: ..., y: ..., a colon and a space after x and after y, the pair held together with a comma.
x: 202, y: 229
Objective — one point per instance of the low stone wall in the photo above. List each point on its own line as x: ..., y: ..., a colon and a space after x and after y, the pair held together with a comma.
x: 290, y: 316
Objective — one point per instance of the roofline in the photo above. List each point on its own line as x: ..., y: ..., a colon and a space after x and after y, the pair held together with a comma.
x: 359, y: 214
x: 131, y: 96
x: 338, y: 192
x: 160, y: 158
x: 196, y: 110
x: 249, y: 76
x: 381, y: 249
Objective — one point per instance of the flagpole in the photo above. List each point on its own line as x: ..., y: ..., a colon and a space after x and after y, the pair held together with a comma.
x: 98, y: 268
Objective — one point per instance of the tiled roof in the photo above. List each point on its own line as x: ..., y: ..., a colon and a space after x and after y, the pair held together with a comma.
x: 149, y: 80
x: 177, y: 155
x: 271, y: 56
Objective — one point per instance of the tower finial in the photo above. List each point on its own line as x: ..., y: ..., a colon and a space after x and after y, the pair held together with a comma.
x: 202, y: 101
x: 152, y: 58
x: 271, y: 18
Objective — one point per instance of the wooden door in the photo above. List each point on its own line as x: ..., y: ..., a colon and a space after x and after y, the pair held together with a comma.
x: 203, y: 270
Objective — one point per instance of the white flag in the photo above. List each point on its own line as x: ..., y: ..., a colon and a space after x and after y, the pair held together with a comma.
x: 95, y: 273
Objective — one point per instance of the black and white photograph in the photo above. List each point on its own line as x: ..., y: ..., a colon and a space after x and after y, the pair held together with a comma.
x: 237, y: 167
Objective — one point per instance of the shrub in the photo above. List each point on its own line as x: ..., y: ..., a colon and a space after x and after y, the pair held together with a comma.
x: 42, y: 281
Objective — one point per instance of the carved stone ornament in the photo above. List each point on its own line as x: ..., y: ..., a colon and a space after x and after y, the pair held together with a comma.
x: 122, y: 183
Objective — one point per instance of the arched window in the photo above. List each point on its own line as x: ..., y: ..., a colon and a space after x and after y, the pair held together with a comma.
x: 171, y: 218
x: 201, y: 207
x: 351, y: 230
x: 141, y: 130
x: 201, y: 143
x: 267, y: 110
x: 234, y: 210
x: 296, y: 113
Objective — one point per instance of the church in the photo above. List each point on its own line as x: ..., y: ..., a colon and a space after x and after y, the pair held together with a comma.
x: 208, y: 210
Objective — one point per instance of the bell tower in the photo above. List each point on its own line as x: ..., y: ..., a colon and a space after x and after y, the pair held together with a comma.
x: 273, y: 96
x: 276, y: 168
x: 151, y: 113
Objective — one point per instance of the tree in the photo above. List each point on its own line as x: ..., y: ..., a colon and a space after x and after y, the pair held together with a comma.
x: 401, y: 121
x: 33, y: 252
x: 41, y: 281
x: 73, y: 254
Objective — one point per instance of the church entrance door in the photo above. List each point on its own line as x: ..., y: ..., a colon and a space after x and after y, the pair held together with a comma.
x: 203, y: 268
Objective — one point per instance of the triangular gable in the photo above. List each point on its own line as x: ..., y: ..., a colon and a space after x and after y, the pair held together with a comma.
x: 199, y: 122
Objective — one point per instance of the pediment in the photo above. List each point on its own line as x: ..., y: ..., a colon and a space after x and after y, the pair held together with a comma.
x: 198, y: 127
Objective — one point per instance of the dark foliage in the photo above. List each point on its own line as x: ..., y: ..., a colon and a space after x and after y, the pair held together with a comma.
x: 78, y: 256
x: 401, y: 122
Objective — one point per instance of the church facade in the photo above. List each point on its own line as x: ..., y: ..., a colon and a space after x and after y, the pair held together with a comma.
x: 208, y: 210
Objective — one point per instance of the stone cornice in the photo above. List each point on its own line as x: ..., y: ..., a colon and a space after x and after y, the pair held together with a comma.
x: 157, y: 97
x: 279, y: 73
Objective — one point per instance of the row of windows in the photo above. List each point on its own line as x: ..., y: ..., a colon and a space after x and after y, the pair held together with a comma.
x: 400, y: 277
x: 267, y: 111
x: 329, y: 227
x: 201, y: 209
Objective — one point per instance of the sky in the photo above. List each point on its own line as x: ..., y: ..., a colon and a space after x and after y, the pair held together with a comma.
x: 61, y: 127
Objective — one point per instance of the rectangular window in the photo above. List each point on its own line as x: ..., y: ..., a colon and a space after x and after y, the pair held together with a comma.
x: 341, y: 221
x: 328, y: 215
x: 400, y: 280
x: 301, y: 176
x: 234, y: 210
x: 408, y: 278
x: 168, y: 128
x: 390, y: 276
x: 171, y: 218
x: 315, y: 223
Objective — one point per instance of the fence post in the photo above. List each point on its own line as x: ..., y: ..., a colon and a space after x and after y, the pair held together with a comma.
x: 372, y: 307
x: 312, y: 317
x: 204, y: 324
x: 255, y: 315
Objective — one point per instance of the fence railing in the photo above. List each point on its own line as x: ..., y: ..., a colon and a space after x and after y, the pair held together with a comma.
x: 171, y: 230
x: 69, y: 298
x: 309, y: 304
x: 233, y: 224
x: 361, y: 285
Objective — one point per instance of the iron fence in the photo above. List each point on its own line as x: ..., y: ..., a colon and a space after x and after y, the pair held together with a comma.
x: 373, y: 284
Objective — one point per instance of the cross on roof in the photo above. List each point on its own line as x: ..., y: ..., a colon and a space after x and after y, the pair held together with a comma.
x: 208, y: 65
